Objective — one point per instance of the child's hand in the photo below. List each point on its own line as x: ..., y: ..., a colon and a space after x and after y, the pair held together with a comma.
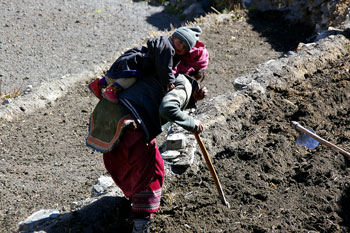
x: 199, y: 75
x: 170, y: 87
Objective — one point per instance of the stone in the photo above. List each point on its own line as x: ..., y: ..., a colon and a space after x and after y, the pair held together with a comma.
x: 28, y: 90
x: 170, y: 154
x: 36, y: 218
x: 6, y: 101
x: 318, y: 13
x: 176, y: 141
x: 186, y: 159
x: 105, y: 185
x: 195, y: 9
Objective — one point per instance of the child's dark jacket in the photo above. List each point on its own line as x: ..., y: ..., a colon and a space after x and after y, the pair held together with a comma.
x: 156, y: 59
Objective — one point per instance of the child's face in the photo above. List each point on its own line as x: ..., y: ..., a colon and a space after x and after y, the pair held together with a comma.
x: 180, y: 47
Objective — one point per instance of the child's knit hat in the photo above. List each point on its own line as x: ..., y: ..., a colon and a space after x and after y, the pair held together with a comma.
x: 189, y: 35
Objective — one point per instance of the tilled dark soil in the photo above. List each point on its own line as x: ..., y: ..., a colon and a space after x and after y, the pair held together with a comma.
x: 271, y: 183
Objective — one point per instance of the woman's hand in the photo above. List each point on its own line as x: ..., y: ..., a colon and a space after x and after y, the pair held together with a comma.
x: 200, y: 93
x: 198, y: 126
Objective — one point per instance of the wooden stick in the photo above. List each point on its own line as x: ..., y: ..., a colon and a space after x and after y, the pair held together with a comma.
x: 321, y: 140
x: 211, y: 169
x: 215, y: 10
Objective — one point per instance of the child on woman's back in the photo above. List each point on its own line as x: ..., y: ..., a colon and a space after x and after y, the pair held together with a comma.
x: 162, y: 58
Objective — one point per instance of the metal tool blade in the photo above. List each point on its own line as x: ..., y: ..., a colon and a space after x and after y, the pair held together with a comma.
x: 307, y: 141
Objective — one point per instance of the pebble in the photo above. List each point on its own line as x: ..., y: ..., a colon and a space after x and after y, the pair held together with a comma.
x: 6, y: 101
x: 104, y: 185
x: 170, y: 154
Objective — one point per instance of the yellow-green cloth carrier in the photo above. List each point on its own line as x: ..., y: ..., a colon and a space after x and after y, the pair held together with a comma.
x: 106, y: 125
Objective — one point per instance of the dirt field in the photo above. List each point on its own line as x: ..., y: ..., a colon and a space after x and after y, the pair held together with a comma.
x: 271, y: 183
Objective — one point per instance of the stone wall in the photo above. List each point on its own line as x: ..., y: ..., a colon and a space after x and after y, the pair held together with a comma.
x: 320, y: 13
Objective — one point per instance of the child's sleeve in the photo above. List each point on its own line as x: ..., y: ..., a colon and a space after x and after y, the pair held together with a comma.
x: 171, y: 106
x: 163, y: 61
x: 202, y: 59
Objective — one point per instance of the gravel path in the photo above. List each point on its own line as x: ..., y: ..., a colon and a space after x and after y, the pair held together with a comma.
x: 50, y: 45
x: 42, y: 41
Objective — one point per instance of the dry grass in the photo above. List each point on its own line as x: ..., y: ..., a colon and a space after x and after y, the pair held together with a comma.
x: 14, y: 93
x: 228, y: 5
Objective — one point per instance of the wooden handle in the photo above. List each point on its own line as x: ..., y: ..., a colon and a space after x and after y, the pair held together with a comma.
x: 321, y: 140
x: 211, y: 169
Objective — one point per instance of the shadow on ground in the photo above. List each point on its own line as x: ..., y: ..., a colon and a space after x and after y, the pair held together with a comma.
x: 177, y: 19
x: 157, y: 19
x: 108, y: 214
x: 284, y: 36
x: 344, y: 204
